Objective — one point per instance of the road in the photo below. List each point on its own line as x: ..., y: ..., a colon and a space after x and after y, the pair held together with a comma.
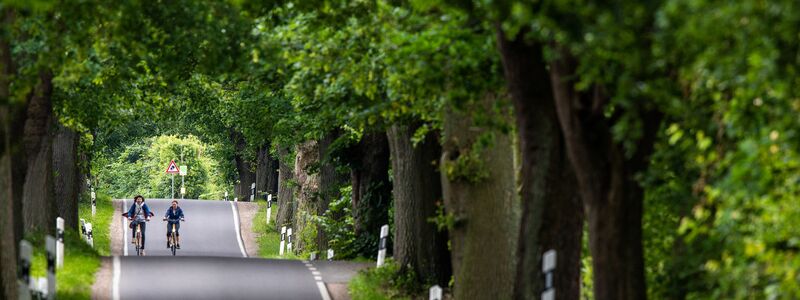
x: 212, y: 263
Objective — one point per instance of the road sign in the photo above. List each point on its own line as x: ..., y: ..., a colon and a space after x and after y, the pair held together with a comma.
x: 184, y: 170
x: 173, y: 168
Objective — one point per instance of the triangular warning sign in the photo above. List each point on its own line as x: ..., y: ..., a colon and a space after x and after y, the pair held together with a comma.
x: 173, y: 168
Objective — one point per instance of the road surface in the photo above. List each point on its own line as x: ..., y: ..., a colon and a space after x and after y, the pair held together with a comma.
x: 212, y: 263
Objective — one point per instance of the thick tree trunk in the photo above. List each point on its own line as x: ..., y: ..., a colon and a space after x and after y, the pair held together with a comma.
x: 67, y: 177
x: 39, y: 209
x: 483, y: 202
x: 552, y: 215
x: 262, y: 169
x: 307, y: 194
x: 329, y: 184
x: 285, y: 190
x: 372, y: 191
x: 418, y: 245
x: 243, y: 167
x: 12, y: 172
x: 606, y: 179
x: 267, y: 172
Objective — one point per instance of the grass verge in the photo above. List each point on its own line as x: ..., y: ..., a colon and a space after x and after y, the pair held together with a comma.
x: 81, y: 261
x: 385, y: 282
x: 268, y: 238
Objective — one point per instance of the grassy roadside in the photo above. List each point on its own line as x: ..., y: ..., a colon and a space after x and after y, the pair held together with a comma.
x: 379, y: 284
x: 75, y: 279
x: 268, y: 238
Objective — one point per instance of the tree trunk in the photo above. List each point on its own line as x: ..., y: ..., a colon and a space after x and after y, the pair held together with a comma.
x: 267, y: 172
x: 372, y: 191
x: 67, y: 177
x: 418, y: 245
x: 262, y: 169
x: 286, y: 189
x: 606, y: 179
x: 330, y: 183
x: 39, y: 209
x: 306, y: 194
x: 243, y: 167
x: 552, y: 215
x: 479, y: 188
x: 12, y: 171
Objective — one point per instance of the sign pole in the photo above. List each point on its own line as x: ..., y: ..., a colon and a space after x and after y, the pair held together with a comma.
x: 172, y: 189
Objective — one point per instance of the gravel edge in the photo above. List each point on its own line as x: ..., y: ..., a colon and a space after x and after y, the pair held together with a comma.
x: 247, y: 213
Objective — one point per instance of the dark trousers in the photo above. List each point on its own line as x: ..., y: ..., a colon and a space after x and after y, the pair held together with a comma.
x: 177, y: 228
x: 133, y: 232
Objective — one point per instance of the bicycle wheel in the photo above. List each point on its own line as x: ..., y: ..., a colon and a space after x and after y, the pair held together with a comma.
x: 174, y: 244
x: 139, y: 244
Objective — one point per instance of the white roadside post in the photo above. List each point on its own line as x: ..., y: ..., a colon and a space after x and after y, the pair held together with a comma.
x: 330, y: 254
x: 183, y: 171
x: 83, y: 230
x: 269, y: 207
x: 94, y: 202
x: 89, y: 235
x: 252, y: 192
x: 313, y: 256
x: 226, y: 195
x: 289, y: 240
x: 283, y: 238
x: 435, y: 293
x: 51, y: 267
x: 548, y: 267
x: 382, y: 245
x: 235, y: 199
x: 59, y: 242
x: 24, y: 279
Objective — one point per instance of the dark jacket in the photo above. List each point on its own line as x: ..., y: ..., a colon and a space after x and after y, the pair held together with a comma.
x: 174, y: 216
x: 146, y: 209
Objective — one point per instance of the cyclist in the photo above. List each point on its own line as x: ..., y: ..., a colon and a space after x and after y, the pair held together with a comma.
x: 139, y: 213
x: 174, y: 215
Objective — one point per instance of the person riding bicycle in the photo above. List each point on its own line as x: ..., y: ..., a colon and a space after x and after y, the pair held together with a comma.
x: 174, y: 216
x: 139, y: 213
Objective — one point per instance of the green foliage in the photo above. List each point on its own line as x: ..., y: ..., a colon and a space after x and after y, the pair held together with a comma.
x: 139, y: 169
x: 385, y: 283
x: 338, y: 225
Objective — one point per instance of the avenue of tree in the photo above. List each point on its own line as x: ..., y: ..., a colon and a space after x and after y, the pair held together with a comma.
x: 653, y: 144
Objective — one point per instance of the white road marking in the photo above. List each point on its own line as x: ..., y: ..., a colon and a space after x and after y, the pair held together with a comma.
x: 117, y: 275
x: 124, y: 229
x: 323, y: 290
x: 238, y: 234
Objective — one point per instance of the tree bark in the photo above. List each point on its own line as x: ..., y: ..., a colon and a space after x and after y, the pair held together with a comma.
x: 606, y: 179
x: 418, y: 245
x: 67, y: 176
x: 552, y: 215
x: 306, y: 194
x: 329, y: 183
x: 39, y: 209
x: 286, y: 189
x: 372, y: 191
x: 12, y: 170
x: 243, y: 167
x: 483, y: 203
x: 266, y: 172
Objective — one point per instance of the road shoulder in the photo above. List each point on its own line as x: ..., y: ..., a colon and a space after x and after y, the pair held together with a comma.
x: 247, y: 213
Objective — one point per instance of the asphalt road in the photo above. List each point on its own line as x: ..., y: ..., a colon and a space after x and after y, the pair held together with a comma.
x: 211, y: 263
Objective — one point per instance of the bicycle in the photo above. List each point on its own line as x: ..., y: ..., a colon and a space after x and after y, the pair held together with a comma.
x: 137, y: 240
x: 172, y: 239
